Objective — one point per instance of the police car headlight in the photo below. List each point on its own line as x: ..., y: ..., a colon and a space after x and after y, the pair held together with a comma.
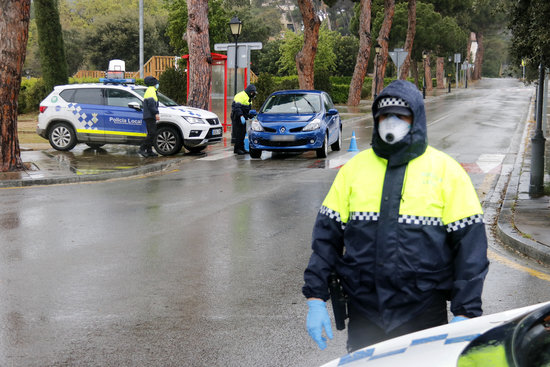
x: 194, y: 120
x: 256, y: 126
x: 313, y: 125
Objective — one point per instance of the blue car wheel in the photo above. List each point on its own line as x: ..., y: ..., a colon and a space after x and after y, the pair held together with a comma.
x: 323, y: 151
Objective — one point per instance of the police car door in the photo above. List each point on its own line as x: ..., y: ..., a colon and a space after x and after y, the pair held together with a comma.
x: 122, y: 123
x: 86, y: 107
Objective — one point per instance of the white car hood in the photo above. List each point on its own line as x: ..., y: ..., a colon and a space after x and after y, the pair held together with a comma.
x: 187, y: 111
x: 440, y: 346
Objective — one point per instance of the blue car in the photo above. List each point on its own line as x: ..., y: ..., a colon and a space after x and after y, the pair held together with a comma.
x: 296, y: 120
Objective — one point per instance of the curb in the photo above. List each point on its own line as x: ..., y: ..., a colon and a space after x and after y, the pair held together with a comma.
x: 507, y: 232
x: 67, y: 179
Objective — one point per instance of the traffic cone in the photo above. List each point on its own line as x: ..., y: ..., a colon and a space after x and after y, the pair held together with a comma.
x: 246, y: 143
x: 353, y: 143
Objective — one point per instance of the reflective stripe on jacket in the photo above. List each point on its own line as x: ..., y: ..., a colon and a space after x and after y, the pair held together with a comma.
x: 396, y: 235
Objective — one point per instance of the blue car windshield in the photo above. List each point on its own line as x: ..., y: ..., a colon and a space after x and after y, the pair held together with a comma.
x: 293, y: 104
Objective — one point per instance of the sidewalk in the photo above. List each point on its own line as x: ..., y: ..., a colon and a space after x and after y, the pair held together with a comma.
x: 523, y: 222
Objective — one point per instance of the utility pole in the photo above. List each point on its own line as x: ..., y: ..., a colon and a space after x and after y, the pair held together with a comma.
x: 141, y: 39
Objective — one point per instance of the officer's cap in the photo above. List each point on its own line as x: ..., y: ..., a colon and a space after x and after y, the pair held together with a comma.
x: 395, y: 105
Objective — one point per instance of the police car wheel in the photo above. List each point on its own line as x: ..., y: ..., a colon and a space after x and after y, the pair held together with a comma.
x: 168, y: 141
x: 62, y: 136
x: 323, y: 151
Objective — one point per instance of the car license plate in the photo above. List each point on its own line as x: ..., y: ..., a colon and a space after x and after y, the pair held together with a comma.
x: 283, y: 138
x: 216, y: 132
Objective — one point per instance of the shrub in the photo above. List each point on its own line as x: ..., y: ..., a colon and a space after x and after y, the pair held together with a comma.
x: 32, y: 92
x: 322, y: 81
x: 174, y: 85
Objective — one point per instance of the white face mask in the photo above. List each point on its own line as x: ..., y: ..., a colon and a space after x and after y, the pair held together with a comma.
x: 157, y: 86
x: 392, y: 129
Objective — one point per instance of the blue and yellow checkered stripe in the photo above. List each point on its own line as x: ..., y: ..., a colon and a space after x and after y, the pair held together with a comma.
x: 370, y: 353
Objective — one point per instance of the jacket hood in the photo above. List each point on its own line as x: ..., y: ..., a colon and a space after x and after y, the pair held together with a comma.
x: 251, y: 88
x: 415, y: 142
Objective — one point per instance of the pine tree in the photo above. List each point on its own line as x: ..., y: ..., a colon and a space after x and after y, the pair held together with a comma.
x: 50, y: 42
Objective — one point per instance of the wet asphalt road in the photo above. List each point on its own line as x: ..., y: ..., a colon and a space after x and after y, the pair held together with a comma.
x: 202, y: 265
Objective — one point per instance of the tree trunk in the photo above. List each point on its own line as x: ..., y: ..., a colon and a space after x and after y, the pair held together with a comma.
x: 411, y: 31
x: 479, y: 57
x: 428, y: 73
x: 200, y: 59
x: 14, y: 28
x: 365, y: 43
x: 440, y: 73
x: 305, y: 59
x: 383, y: 37
x: 469, y: 54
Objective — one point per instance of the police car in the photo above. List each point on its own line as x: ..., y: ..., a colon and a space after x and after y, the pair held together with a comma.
x: 514, y: 338
x: 110, y: 113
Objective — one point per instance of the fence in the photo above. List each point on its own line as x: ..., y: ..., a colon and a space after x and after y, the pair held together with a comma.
x: 154, y: 67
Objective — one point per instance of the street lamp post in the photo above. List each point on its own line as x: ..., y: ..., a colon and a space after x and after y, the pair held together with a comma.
x: 236, y: 25
x: 377, y: 49
x: 449, y: 75
x: 424, y: 56
x: 536, y: 183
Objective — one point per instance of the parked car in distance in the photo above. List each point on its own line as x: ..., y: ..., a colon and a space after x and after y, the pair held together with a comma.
x: 514, y: 338
x: 110, y: 113
x: 296, y: 120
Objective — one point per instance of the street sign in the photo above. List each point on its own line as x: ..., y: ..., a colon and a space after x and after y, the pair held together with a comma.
x: 457, y: 58
x: 398, y: 56
x: 243, y: 52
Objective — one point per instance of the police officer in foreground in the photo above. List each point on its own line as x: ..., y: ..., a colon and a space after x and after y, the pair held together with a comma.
x: 150, y: 116
x: 240, y: 108
x: 402, y: 227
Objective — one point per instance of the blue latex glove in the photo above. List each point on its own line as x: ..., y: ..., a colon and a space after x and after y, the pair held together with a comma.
x: 458, y: 319
x: 243, y: 121
x: 317, y: 319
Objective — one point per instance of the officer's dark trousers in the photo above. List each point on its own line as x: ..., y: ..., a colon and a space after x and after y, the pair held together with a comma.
x: 147, y: 144
x: 238, y: 131
x: 362, y: 332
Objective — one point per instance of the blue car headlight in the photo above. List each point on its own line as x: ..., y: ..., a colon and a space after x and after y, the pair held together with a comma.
x: 313, y: 125
x: 256, y: 126
x: 194, y: 120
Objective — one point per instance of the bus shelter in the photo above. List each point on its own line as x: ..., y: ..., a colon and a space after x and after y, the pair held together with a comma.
x: 217, y: 101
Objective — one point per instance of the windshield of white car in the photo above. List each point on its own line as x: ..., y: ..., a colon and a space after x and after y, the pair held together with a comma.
x: 162, y: 98
x: 292, y: 104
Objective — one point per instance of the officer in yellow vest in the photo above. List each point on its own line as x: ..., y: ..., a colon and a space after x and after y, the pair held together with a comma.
x: 403, y: 229
x: 150, y: 116
x: 242, y: 103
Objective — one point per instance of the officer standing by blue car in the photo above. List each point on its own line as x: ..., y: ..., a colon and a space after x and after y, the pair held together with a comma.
x: 240, y: 108
x: 402, y: 228
x: 150, y: 116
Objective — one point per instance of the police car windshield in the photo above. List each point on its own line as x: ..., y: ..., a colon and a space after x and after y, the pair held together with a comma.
x: 162, y: 98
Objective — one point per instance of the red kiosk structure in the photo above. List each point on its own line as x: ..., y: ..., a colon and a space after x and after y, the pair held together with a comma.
x: 217, y: 102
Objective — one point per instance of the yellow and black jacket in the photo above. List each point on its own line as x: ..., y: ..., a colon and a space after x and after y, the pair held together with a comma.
x: 150, y: 103
x: 400, y: 223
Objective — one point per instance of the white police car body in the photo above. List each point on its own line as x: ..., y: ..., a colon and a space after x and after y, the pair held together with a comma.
x: 514, y: 338
x: 110, y: 113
